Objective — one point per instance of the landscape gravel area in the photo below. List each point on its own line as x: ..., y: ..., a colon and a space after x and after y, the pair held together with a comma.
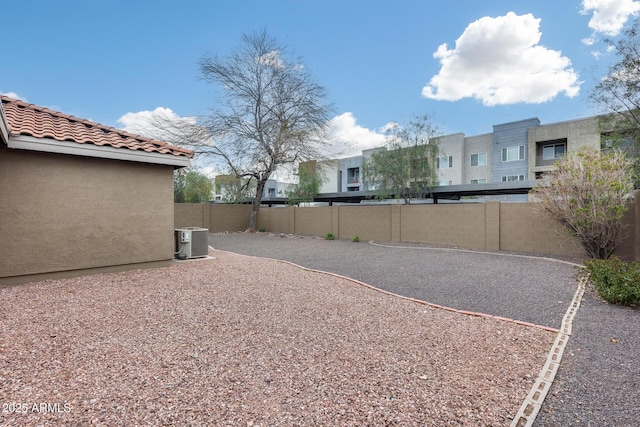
x: 245, y: 341
x: 598, y: 382
x: 531, y: 289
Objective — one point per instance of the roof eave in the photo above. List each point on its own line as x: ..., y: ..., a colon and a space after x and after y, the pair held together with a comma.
x: 48, y: 145
x: 4, y: 126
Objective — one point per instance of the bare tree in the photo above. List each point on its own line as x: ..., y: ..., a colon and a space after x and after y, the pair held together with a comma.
x: 618, y: 96
x: 588, y: 194
x: 272, y: 113
x: 406, y: 167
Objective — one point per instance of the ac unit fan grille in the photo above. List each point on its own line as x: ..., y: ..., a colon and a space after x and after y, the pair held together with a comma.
x: 199, y: 243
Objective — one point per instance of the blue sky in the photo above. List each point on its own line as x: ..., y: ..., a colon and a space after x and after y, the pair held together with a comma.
x: 469, y: 64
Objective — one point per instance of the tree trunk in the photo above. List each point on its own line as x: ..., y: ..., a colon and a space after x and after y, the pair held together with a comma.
x: 255, y: 207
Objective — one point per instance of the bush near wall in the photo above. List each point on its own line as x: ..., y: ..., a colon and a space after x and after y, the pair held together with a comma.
x: 616, y: 281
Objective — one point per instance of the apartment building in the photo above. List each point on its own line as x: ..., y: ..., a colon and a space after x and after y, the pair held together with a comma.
x: 547, y: 143
x: 227, y: 188
x: 516, y: 151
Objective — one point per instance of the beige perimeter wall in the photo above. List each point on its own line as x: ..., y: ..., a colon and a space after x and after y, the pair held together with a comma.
x: 62, y: 214
x: 491, y: 226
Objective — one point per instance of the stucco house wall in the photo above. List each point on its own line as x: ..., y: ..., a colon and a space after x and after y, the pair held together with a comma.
x: 63, y: 215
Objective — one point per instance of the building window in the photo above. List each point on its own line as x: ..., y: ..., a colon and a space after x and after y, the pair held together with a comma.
x: 479, y: 159
x: 510, y: 154
x: 479, y: 181
x: 510, y: 178
x: 353, y: 176
x: 444, y: 162
x: 553, y: 151
x: 271, y: 192
x: 442, y: 183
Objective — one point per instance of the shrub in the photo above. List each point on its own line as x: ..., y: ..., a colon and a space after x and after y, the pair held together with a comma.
x: 588, y: 194
x: 356, y: 238
x: 262, y: 230
x: 330, y: 236
x: 616, y: 281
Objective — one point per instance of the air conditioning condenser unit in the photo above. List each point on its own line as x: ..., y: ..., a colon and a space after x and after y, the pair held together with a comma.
x: 191, y: 242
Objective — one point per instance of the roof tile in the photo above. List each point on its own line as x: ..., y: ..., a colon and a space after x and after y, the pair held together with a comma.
x: 39, y: 122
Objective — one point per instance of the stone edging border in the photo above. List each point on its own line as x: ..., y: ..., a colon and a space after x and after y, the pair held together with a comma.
x: 533, y: 402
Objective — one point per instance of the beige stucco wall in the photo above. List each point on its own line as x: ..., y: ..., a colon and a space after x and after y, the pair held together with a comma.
x: 61, y: 213
x: 228, y: 218
x: 461, y: 225
x: 191, y: 215
x: 366, y: 222
x: 523, y: 228
x: 491, y: 226
x: 276, y: 220
x: 314, y: 221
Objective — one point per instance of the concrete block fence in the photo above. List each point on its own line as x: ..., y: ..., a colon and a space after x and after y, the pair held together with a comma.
x: 491, y: 226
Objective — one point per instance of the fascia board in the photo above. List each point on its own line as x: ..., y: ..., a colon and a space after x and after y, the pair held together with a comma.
x: 4, y: 126
x: 48, y: 145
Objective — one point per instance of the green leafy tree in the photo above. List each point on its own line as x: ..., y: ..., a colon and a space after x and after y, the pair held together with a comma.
x: 618, y: 96
x: 272, y: 113
x: 309, y: 182
x: 406, y: 166
x: 178, y: 185
x: 191, y: 187
x: 588, y: 194
x: 233, y: 189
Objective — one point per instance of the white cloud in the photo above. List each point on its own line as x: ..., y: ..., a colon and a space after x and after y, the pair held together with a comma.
x: 161, y: 124
x: 349, y: 139
x: 499, y: 61
x: 271, y: 59
x: 609, y: 16
x: 14, y: 96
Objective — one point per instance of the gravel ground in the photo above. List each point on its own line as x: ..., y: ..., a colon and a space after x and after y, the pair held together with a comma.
x: 598, y: 382
x: 532, y: 290
x: 245, y: 341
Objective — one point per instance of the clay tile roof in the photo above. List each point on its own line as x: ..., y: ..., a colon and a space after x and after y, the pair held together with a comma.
x: 39, y: 122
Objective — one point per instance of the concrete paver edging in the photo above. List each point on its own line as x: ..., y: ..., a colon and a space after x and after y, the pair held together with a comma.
x: 533, y: 402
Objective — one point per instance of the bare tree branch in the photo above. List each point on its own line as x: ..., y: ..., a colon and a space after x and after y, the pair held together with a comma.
x: 272, y: 114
